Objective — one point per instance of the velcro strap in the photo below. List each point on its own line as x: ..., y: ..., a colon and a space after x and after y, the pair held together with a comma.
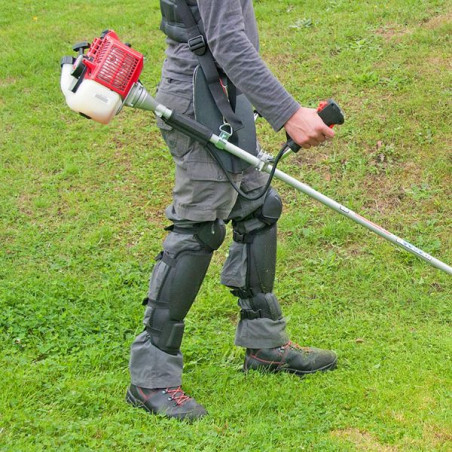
x: 250, y: 315
x: 164, y: 257
x: 183, y: 230
x: 163, y: 304
x: 243, y: 293
x: 171, y: 262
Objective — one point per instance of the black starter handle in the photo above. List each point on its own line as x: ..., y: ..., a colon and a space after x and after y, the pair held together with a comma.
x: 331, y: 114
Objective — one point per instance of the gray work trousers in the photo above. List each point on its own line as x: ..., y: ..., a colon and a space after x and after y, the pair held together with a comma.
x: 202, y: 193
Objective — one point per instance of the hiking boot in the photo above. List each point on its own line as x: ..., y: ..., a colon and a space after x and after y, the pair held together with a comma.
x: 171, y: 402
x: 290, y: 358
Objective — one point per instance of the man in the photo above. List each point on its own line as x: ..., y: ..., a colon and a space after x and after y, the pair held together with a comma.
x: 203, y: 200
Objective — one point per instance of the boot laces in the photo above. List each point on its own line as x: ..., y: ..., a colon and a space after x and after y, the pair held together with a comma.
x: 295, y: 346
x: 178, y: 395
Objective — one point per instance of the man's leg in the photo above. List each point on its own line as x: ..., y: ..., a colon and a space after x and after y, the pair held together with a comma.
x: 156, y: 360
x: 250, y: 272
x: 201, y: 196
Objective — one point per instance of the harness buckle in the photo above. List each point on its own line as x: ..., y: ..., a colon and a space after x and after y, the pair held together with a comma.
x: 237, y: 237
x: 242, y: 238
x: 249, y: 314
x: 197, y: 45
x: 225, y: 133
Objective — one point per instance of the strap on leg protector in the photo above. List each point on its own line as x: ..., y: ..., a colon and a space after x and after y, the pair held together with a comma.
x: 263, y: 305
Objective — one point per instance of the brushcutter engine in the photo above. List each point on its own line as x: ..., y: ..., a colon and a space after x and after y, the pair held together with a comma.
x: 97, y: 83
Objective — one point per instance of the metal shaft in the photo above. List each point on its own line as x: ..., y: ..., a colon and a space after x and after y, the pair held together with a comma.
x: 264, y: 166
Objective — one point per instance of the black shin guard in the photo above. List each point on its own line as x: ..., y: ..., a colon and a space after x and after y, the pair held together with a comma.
x: 256, y: 298
x: 176, y: 280
x: 255, y: 238
x: 176, y: 285
x: 261, y: 262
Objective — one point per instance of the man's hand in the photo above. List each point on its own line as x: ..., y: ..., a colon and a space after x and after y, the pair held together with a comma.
x: 307, y: 129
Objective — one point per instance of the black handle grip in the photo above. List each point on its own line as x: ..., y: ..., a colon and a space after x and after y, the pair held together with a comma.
x: 331, y: 114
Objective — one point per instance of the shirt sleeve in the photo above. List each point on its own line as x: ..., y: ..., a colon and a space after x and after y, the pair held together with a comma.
x: 224, y: 27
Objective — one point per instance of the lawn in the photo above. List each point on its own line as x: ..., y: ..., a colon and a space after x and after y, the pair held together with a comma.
x: 82, y: 217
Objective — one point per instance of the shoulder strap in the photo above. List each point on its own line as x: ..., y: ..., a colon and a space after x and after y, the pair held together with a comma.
x: 198, y: 45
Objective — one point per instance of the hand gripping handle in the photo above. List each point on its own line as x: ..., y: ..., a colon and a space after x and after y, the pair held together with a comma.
x: 331, y: 115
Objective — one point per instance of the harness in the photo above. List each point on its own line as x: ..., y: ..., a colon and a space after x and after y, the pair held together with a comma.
x: 172, y: 24
x: 217, y: 102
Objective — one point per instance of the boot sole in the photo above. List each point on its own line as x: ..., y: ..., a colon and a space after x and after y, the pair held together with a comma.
x: 269, y: 368
x: 131, y: 400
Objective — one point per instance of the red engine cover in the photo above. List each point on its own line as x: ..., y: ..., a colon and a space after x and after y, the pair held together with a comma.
x: 113, y: 64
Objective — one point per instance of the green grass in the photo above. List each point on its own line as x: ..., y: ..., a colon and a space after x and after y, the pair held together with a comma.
x: 82, y: 211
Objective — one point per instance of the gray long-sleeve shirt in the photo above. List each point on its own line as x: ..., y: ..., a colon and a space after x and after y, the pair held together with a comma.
x: 231, y: 32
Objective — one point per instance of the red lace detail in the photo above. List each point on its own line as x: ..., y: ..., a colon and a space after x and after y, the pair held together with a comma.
x: 296, y: 346
x: 178, y: 395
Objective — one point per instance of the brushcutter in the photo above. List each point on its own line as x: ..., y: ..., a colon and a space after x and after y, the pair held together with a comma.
x: 99, y: 83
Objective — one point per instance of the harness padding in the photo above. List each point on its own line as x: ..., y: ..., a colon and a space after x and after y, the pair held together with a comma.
x: 208, y: 114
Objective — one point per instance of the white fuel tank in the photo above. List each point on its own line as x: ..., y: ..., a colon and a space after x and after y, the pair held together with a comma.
x: 91, y: 98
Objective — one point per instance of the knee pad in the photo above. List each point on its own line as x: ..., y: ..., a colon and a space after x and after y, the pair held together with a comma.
x: 271, y: 209
x: 211, y: 234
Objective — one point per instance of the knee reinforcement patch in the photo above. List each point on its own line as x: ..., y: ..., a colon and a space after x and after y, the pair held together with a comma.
x: 272, y: 208
x: 211, y: 234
